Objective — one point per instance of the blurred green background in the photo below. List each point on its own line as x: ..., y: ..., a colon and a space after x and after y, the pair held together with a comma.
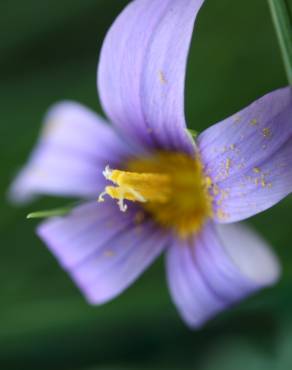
x: 49, y: 51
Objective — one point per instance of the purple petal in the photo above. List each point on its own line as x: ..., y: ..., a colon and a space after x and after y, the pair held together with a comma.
x: 104, y: 250
x: 224, y: 264
x: 74, y: 148
x: 249, y: 157
x: 141, y: 73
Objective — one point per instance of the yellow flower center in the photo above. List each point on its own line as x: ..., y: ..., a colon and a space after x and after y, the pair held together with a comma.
x: 171, y: 187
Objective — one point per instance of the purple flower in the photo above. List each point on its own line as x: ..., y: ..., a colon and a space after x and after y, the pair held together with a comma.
x: 173, y: 194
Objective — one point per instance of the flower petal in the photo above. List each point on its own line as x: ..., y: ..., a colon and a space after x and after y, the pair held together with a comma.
x: 74, y: 148
x: 224, y: 264
x: 104, y: 250
x: 249, y: 157
x: 141, y: 73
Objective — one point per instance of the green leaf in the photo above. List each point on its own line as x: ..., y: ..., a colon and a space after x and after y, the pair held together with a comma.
x: 50, y: 213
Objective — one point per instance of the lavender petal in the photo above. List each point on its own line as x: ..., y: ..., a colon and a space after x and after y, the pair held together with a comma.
x: 249, y: 157
x: 141, y: 74
x: 74, y: 147
x: 104, y: 250
x: 218, y: 268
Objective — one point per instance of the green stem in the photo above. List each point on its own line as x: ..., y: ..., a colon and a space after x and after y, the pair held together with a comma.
x: 283, y: 23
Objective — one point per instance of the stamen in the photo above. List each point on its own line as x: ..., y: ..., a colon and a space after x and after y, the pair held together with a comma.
x: 107, y: 172
x: 123, y: 207
x: 137, y: 195
x: 170, y: 186
x: 101, y: 196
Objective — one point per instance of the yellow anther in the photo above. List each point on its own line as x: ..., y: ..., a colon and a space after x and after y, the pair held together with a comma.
x: 140, y: 187
x: 171, y: 187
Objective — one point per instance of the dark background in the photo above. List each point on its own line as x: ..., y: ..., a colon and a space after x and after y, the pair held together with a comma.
x: 48, y: 52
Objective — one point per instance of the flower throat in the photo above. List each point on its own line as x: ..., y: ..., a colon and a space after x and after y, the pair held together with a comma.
x: 170, y: 186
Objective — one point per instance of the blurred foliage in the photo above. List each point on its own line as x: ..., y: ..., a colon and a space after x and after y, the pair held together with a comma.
x: 49, y: 51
